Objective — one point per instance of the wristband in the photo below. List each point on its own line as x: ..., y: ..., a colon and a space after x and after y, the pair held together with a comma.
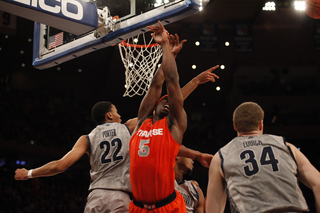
x: 30, y: 173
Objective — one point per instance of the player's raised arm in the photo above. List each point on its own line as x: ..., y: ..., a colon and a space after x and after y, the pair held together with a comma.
x: 177, y: 117
x: 202, y: 78
x: 175, y: 44
x: 147, y: 104
x: 152, y: 96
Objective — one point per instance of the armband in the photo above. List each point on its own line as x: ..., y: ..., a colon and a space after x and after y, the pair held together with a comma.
x: 30, y: 173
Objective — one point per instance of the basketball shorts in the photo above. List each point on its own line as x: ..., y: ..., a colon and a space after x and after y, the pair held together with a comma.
x: 172, y: 204
x: 112, y: 201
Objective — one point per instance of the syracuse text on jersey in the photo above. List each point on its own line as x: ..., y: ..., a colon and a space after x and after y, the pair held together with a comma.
x: 147, y: 134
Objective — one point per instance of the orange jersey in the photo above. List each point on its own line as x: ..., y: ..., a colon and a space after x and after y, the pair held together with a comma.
x: 152, y: 159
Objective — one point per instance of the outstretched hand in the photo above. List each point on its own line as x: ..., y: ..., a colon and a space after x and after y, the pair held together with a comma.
x: 160, y: 34
x: 176, y: 46
x: 207, y: 75
x: 205, y: 159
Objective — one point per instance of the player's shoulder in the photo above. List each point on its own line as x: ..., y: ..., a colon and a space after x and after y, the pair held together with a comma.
x: 144, y: 121
x: 195, y: 183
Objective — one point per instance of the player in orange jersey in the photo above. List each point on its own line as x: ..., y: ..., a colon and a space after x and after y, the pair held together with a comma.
x: 157, y: 138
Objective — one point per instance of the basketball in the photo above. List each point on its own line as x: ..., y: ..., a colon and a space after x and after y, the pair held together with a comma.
x: 313, y: 8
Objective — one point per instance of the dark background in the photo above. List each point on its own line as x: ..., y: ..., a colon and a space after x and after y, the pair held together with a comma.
x: 44, y: 112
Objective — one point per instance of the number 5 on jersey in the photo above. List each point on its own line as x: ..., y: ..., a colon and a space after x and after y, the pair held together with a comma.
x: 144, y: 149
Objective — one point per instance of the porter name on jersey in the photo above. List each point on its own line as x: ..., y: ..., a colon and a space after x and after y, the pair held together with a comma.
x: 110, y: 132
x: 147, y: 134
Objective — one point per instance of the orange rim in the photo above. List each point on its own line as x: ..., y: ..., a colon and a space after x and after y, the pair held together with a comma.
x: 139, y: 45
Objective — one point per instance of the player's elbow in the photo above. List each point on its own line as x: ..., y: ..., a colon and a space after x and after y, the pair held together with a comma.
x: 316, y: 187
x: 156, y: 84
x: 172, y: 77
x: 59, y: 167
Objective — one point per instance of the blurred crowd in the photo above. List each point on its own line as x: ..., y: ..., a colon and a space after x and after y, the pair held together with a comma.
x: 43, y: 118
x: 49, y: 195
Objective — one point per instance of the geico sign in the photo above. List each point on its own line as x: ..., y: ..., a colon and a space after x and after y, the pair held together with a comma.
x: 57, y: 8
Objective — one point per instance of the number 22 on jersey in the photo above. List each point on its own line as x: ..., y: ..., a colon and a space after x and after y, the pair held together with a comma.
x: 115, y: 144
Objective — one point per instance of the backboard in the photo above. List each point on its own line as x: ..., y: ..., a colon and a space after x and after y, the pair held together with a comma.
x: 53, y: 46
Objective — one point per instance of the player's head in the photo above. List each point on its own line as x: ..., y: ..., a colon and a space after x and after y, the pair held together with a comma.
x: 247, y: 117
x: 184, y: 165
x: 162, y: 106
x: 104, y: 111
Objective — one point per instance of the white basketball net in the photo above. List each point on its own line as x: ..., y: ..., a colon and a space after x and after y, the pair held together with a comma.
x: 140, y: 62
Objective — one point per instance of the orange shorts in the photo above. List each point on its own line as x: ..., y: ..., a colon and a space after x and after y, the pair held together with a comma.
x: 175, y: 206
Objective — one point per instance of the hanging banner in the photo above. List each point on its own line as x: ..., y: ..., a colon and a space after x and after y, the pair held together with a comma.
x: 243, y: 39
x: 208, y: 38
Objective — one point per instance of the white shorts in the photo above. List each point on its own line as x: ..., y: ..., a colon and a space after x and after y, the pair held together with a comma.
x: 111, y: 201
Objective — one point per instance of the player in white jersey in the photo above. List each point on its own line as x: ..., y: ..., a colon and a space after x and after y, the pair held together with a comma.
x: 259, y: 172
x: 108, y: 148
x: 189, y: 189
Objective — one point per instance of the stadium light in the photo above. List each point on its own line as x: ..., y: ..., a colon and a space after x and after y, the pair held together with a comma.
x: 269, y: 6
x: 299, y: 5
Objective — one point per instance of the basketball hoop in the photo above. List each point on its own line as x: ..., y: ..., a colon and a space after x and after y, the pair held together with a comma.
x: 140, y: 61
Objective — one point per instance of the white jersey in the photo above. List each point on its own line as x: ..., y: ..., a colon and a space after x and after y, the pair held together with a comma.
x: 261, y: 175
x: 189, y: 193
x: 109, y: 157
